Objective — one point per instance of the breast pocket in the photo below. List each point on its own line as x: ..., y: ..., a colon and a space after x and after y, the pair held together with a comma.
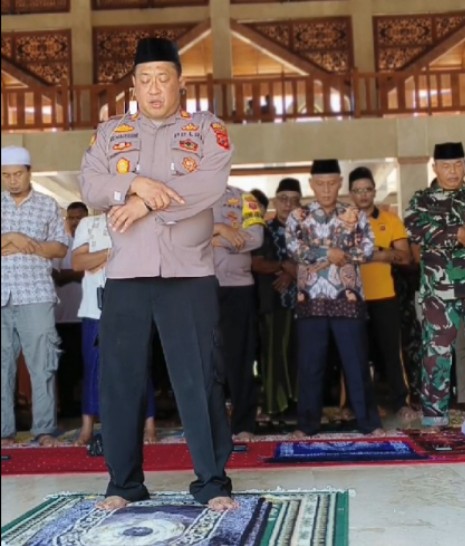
x: 186, y: 154
x: 124, y: 156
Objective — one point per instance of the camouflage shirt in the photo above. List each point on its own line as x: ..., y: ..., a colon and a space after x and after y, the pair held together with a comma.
x: 432, y: 220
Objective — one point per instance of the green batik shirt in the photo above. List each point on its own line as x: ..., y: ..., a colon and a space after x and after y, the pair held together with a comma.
x: 432, y: 219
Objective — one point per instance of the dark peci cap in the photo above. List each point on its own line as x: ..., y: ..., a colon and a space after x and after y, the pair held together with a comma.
x: 289, y: 184
x: 325, y: 166
x: 157, y: 49
x: 448, y: 150
x: 260, y: 197
x: 360, y: 173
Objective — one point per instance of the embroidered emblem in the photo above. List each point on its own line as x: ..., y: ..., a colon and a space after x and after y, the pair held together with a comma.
x: 221, y: 134
x: 185, y: 114
x: 122, y: 146
x: 188, y: 145
x: 189, y: 164
x: 251, y: 212
x: 135, y: 116
x: 124, y: 128
x: 233, y: 219
x: 233, y: 202
x: 190, y: 128
x: 122, y: 166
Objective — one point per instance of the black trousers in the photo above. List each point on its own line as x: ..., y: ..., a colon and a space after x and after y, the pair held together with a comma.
x: 70, y: 369
x: 384, y: 334
x: 238, y: 329
x: 350, y: 337
x: 185, y: 311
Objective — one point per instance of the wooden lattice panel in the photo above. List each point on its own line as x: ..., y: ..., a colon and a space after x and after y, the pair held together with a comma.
x: 44, y: 54
x: 325, y: 42
x: 12, y: 7
x: 400, y: 40
x: 115, y: 47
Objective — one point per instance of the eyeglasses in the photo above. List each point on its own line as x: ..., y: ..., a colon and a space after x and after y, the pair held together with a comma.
x: 288, y: 200
x: 363, y: 191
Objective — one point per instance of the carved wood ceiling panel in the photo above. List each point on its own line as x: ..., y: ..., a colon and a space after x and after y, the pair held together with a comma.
x: 45, y: 54
x: 140, y: 4
x: 115, y: 47
x: 326, y: 42
x: 401, y: 40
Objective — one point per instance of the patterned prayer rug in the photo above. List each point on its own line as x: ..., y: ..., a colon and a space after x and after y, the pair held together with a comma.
x: 444, y: 445
x: 277, y: 518
x: 339, y: 451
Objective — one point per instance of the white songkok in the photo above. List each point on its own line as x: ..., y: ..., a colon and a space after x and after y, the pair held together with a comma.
x: 15, y: 155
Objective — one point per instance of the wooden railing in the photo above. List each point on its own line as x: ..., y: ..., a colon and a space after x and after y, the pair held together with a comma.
x: 246, y: 100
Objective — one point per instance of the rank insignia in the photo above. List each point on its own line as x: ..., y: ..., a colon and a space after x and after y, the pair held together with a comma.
x: 190, y: 128
x: 233, y: 202
x: 189, y: 145
x: 189, y: 164
x: 122, y: 166
x: 124, y: 128
x: 185, y: 114
x: 122, y: 146
x: 221, y: 134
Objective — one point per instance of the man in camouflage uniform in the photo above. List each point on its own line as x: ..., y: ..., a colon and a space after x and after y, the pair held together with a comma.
x: 435, y: 220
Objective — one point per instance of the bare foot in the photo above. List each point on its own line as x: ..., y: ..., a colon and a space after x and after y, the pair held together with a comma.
x: 47, y: 440
x: 407, y: 414
x: 8, y: 442
x: 298, y: 435
x: 347, y: 414
x: 150, y: 431
x: 243, y: 437
x: 87, y: 431
x: 112, y: 503
x: 220, y: 504
x: 378, y: 432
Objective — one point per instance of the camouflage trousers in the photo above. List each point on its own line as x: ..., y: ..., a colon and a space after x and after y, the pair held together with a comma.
x: 441, y: 320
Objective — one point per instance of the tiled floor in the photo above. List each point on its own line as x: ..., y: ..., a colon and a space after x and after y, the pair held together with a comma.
x: 415, y: 505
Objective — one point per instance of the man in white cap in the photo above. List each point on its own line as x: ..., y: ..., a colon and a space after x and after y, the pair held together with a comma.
x: 32, y: 235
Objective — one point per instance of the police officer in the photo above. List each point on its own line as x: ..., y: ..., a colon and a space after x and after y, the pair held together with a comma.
x: 435, y: 220
x: 157, y: 174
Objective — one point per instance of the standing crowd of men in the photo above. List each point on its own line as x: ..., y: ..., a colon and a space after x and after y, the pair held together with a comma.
x: 181, y: 251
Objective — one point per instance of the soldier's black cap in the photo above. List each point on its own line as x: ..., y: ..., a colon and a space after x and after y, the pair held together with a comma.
x: 360, y: 173
x: 325, y: 166
x: 157, y: 49
x: 289, y: 184
x: 449, y: 150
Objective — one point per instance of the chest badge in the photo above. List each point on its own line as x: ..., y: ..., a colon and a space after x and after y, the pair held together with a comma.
x: 123, y: 165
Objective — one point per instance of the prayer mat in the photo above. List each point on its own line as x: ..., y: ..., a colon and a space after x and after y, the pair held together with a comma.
x: 344, y: 451
x: 444, y: 445
x: 263, y: 518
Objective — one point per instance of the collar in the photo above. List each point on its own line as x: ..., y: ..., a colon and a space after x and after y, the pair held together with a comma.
x: 376, y: 213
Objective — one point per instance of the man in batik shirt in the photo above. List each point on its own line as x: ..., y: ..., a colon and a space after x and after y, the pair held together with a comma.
x: 435, y: 220
x: 329, y: 239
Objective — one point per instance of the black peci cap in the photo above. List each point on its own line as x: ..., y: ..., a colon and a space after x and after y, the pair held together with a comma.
x: 360, y: 173
x: 157, y: 49
x: 289, y: 184
x: 325, y: 166
x: 448, y: 150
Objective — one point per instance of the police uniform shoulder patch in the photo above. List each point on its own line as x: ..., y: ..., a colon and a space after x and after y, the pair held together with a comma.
x: 221, y: 134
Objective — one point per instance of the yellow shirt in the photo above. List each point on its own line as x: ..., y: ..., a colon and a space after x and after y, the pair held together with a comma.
x: 376, y: 276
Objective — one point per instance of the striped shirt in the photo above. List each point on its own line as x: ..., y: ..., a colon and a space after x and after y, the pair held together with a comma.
x: 26, y: 278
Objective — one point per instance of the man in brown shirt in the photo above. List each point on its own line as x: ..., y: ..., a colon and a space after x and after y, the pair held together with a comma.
x: 157, y: 174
